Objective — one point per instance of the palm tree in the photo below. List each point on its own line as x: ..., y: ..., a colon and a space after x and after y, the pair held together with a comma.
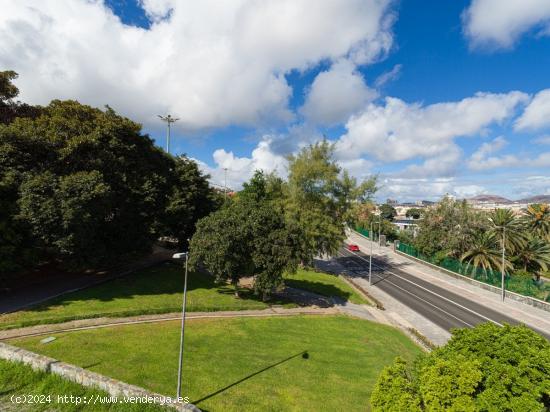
x: 505, y: 224
x: 534, y: 257
x: 537, y: 220
x: 484, y: 253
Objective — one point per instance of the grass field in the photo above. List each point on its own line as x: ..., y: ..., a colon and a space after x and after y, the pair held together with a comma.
x: 324, y: 284
x: 159, y: 290
x: 155, y: 290
x: 20, y: 380
x: 243, y: 364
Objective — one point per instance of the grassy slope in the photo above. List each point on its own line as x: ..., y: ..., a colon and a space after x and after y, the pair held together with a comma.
x: 324, y: 284
x: 154, y: 290
x: 158, y: 290
x: 20, y: 380
x: 345, y: 357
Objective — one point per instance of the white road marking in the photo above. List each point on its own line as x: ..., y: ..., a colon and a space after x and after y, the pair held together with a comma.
x: 427, y: 290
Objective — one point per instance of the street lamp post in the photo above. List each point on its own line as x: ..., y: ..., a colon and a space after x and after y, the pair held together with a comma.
x: 370, y: 256
x: 169, y: 120
x: 502, y: 268
x: 379, y: 231
x: 181, y: 256
x: 225, y: 184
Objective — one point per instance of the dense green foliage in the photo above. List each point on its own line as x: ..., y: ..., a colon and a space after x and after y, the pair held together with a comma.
x: 248, y: 237
x: 414, y: 213
x: 84, y: 186
x: 456, y: 230
x: 387, y: 211
x: 320, y: 197
x: 487, y: 368
x: 272, y: 224
x: 243, y: 364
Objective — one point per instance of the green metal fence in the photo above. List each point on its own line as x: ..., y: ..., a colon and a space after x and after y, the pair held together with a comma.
x: 366, y: 232
x: 517, y: 284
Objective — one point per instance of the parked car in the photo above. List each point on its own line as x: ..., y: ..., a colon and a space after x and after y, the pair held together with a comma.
x: 352, y: 247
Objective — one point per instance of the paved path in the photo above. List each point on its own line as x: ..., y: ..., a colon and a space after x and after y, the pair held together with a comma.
x: 437, y: 300
x: 56, y: 286
x: 106, y: 322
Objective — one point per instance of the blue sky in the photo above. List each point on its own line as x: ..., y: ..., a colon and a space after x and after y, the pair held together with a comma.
x: 435, y: 96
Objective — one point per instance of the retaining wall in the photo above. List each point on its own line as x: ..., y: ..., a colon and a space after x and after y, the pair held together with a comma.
x: 84, y: 377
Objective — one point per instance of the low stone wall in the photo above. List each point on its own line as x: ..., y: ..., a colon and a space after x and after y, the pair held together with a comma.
x: 84, y: 377
x: 540, y: 304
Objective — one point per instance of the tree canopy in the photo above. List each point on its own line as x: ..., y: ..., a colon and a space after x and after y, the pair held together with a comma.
x: 486, y: 368
x: 84, y: 186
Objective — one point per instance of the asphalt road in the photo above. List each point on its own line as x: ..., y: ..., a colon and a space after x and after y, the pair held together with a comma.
x: 446, y: 309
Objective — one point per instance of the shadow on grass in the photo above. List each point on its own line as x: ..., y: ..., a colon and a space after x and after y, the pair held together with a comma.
x: 304, y: 354
x: 166, y: 278
x: 318, y: 287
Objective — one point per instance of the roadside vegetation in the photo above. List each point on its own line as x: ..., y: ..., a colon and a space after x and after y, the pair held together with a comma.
x: 290, y: 363
x: 159, y: 290
x: 84, y: 188
x: 487, y: 368
x: 21, y: 380
x: 273, y: 226
x: 150, y: 291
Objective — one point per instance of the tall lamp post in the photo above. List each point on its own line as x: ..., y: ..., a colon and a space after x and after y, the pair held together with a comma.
x: 169, y: 120
x: 180, y: 364
x: 370, y: 256
x: 503, y: 253
x: 225, y: 184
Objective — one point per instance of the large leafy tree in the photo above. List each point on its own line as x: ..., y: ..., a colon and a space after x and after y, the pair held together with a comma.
x: 189, y: 200
x: 449, y: 228
x: 90, y: 189
x: 387, y: 211
x: 319, y: 198
x: 10, y: 109
x: 487, y: 368
x: 248, y: 237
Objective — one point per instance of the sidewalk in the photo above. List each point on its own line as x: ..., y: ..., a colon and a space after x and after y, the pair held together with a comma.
x: 524, y: 313
x: 36, y: 293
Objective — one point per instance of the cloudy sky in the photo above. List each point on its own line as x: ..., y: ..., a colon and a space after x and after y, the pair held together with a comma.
x: 435, y: 96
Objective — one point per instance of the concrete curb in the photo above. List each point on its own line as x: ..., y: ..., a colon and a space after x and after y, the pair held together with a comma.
x: 113, y: 387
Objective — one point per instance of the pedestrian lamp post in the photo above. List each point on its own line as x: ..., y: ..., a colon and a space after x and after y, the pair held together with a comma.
x: 379, y: 231
x: 184, y: 255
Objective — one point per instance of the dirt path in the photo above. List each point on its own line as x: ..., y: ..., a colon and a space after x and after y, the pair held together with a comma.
x: 106, y: 322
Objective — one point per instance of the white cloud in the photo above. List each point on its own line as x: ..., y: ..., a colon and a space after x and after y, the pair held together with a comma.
x: 442, y: 165
x: 399, y: 131
x: 241, y: 169
x: 208, y: 62
x: 542, y: 140
x: 336, y: 94
x: 482, y: 158
x: 388, y: 76
x: 536, y: 114
x: 499, y: 23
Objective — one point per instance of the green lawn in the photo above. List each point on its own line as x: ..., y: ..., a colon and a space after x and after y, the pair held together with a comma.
x: 243, y: 364
x: 324, y: 284
x: 20, y: 380
x: 154, y: 290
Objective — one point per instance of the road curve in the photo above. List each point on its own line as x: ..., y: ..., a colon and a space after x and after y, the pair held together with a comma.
x: 444, y: 308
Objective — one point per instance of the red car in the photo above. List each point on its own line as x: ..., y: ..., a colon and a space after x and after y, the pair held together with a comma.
x: 353, y: 247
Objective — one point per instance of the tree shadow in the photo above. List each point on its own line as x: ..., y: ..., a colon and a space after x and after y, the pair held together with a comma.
x: 320, y: 288
x: 304, y: 354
